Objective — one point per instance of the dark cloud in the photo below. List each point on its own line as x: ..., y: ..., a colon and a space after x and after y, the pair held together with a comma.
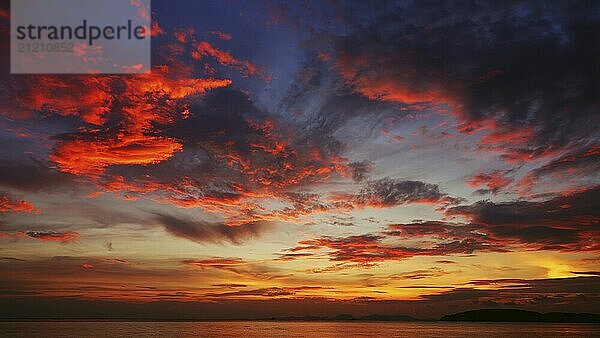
x: 232, y: 153
x: 590, y: 273
x: 551, y: 238
x: 524, y: 292
x: 432, y: 228
x: 319, y: 104
x: 230, y: 138
x: 202, y: 231
x: 224, y: 114
x: 582, y: 163
x: 341, y: 220
x: 109, y: 246
x: 23, y: 163
x: 571, y: 210
x: 526, y: 71
x: 566, y: 223
x: 46, y: 236
x: 30, y: 174
x: 360, y: 170
x: 387, y: 192
x: 54, y: 236
x: 570, y: 222
x: 452, y: 238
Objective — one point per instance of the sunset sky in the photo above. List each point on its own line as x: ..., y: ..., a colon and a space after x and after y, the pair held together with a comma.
x: 312, y: 157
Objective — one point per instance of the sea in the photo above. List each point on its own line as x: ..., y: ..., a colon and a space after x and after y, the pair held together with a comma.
x: 293, y: 329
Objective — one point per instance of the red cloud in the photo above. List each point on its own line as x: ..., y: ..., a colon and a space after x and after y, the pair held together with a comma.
x: 389, y: 86
x: 148, y: 98
x: 222, y: 35
x: 564, y: 223
x: 572, y: 167
x: 156, y: 30
x: 184, y: 35
x: 495, y: 228
x: 204, y: 49
x: 87, y: 97
x: 129, y: 121
x: 8, y: 204
x: 513, y: 96
x: 494, y: 181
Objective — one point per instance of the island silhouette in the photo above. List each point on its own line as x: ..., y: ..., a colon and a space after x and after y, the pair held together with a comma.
x: 483, y: 315
x: 513, y: 315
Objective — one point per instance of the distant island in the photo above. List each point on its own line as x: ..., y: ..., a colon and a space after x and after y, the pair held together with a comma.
x: 345, y: 317
x: 484, y: 315
x: 512, y: 315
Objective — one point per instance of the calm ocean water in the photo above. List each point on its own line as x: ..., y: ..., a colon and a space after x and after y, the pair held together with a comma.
x: 293, y: 329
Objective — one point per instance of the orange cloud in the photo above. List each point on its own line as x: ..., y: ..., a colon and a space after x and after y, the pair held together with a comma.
x: 84, y: 157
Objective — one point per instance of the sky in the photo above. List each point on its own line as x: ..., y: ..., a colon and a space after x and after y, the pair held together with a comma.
x: 311, y: 158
